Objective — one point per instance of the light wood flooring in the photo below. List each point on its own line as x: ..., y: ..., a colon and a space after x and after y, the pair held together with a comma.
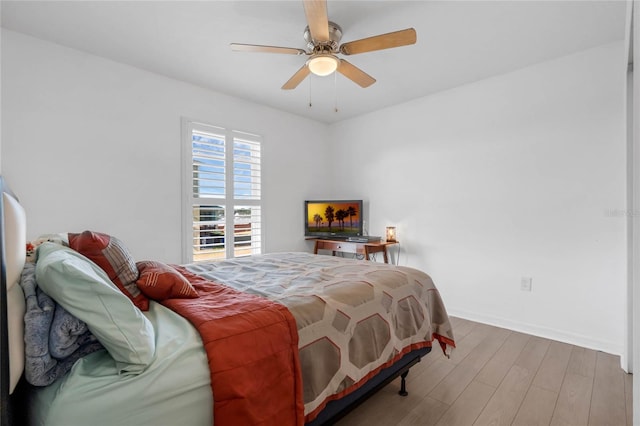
x: 501, y: 377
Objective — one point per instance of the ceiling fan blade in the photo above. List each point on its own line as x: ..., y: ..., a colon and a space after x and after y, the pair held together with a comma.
x: 297, y: 78
x: 379, y: 42
x: 317, y: 18
x: 238, y: 47
x: 355, y: 74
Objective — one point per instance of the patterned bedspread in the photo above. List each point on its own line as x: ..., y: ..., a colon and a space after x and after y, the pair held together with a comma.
x: 353, y: 317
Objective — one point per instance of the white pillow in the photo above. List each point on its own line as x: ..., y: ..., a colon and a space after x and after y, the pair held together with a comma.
x: 15, y: 244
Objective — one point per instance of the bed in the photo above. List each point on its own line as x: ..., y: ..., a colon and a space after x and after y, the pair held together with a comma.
x: 282, y: 338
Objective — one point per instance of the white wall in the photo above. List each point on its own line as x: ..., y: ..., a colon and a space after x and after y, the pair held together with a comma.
x: 521, y: 175
x: 88, y: 143
x: 635, y: 149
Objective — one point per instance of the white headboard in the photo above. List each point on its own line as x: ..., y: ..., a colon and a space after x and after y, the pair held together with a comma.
x: 12, y: 308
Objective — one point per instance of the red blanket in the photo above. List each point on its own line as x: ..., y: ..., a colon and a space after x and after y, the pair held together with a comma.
x: 252, y: 346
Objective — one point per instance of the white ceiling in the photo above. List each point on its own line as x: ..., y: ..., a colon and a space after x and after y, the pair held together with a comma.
x: 458, y: 42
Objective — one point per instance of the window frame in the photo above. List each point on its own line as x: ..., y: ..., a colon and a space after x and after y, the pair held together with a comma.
x: 229, y: 201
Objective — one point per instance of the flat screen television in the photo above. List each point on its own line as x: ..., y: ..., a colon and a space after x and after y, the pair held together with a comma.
x: 333, y: 218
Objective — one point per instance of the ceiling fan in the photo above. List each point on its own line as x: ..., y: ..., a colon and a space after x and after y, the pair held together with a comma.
x: 323, y: 38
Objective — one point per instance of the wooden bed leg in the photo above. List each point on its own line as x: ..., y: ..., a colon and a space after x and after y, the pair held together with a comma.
x: 403, y: 384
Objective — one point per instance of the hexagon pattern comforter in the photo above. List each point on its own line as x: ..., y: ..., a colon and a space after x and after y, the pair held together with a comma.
x: 353, y: 317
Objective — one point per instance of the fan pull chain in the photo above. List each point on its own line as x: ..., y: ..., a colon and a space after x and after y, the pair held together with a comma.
x: 310, y: 104
x: 335, y: 91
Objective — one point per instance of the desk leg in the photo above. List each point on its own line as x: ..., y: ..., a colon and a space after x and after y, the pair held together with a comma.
x: 315, y: 248
x: 386, y: 257
x: 366, y: 252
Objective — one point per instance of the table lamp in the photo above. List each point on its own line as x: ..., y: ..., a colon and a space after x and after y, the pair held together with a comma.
x: 391, y: 234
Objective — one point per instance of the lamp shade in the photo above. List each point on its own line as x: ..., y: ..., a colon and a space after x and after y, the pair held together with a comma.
x: 391, y: 234
x: 323, y: 64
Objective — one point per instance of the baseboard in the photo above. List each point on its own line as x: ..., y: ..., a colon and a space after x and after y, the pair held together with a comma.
x: 536, y: 330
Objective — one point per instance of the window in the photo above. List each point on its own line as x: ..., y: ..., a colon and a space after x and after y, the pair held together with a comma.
x: 222, y: 191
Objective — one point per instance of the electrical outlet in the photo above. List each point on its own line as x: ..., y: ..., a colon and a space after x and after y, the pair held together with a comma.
x: 525, y: 283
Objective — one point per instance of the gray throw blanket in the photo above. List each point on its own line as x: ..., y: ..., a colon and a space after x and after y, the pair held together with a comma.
x: 54, y: 339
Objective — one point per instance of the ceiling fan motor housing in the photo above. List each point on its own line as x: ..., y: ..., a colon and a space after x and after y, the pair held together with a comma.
x: 335, y: 35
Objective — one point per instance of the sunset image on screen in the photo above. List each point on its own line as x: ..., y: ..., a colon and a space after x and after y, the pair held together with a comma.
x: 333, y: 217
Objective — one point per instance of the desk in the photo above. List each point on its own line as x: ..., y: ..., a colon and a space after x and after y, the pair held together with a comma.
x: 354, y: 247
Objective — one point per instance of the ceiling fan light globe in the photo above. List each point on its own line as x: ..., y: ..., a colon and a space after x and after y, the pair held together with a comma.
x: 323, y: 65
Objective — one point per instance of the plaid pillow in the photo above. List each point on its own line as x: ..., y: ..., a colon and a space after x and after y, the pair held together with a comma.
x: 114, y: 258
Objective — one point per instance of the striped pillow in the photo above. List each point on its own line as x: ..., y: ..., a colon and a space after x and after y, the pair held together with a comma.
x: 114, y: 258
x: 159, y: 281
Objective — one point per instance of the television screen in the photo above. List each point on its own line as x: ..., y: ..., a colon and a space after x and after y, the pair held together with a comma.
x: 333, y: 218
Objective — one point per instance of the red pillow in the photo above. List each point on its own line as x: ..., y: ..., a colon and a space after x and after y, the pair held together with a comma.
x: 159, y: 282
x: 114, y: 258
